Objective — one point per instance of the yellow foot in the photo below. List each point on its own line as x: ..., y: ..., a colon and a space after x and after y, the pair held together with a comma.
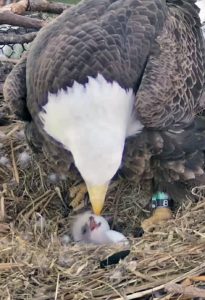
x: 78, y: 193
x: 160, y: 214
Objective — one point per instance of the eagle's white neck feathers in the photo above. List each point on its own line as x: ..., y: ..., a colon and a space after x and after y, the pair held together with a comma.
x: 92, y: 122
x: 201, y: 5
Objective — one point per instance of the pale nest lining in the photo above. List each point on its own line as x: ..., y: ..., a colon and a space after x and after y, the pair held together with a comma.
x: 38, y: 261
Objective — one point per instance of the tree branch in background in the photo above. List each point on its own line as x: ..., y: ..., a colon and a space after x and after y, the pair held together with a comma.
x: 9, y: 60
x: 10, y: 18
x: 17, y: 38
x: 17, y: 8
x: 45, y: 6
x: 35, y: 5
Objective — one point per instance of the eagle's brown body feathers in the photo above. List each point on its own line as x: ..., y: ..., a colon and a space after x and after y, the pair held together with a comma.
x: 154, y: 47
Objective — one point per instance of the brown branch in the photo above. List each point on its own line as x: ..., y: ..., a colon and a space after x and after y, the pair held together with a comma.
x: 35, y: 5
x: 45, y: 6
x: 17, y: 38
x: 190, y: 291
x: 9, y: 60
x: 17, y: 8
x: 10, y: 18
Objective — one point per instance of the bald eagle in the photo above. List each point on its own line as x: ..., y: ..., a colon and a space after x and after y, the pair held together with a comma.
x: 117, y: 84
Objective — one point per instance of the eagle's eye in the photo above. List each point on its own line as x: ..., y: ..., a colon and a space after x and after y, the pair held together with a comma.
x: 84, y: 229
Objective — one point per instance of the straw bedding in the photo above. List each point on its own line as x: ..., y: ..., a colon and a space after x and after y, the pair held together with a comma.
x: 38, y: 260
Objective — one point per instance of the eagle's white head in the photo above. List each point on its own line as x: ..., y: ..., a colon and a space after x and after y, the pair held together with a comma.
x: 201, y: 5
x: 92, y: 121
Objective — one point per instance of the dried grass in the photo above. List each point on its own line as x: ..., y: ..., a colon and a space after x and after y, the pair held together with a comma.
x: 36, y: 262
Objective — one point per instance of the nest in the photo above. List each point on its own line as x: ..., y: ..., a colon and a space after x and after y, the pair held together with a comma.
x: 38, y: 260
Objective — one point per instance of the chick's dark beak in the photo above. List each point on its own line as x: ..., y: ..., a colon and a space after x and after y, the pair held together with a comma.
x: 93, y: 224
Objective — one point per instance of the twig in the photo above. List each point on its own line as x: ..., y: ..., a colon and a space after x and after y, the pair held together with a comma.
x: 17, y: 38
x: 167, y: 297
x: 15, y: 169
x: 190, y: 291
x: 9, y: 60
x: 197, y: 278
x: 10, y: 18
x: 35, y: 5
x: 34, y: 205
x: 2, y: 204
x: 193, y: 272
x: 57, y: 287
x: 143, y: 293
x: 13, y: 130
x: 8, y: 266
x: 17, y: 8
x: 4, y: 228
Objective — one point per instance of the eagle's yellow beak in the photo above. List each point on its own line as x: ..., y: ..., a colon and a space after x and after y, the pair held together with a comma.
x: 97, y: 195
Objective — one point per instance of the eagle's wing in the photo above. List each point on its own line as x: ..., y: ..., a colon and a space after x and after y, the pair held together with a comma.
x: 113, y: 39
x: 170, y: 94
x: 130, y: 42
x: 14, y: 90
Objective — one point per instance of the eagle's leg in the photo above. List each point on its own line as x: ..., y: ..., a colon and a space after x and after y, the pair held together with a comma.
x: 162, y: 212
x: 77, y: 193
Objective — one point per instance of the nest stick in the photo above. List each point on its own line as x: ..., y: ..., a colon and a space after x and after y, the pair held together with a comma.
x: 190, y: 291
x: 15, y: 169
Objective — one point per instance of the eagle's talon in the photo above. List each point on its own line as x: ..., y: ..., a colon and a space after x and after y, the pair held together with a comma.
x: 161, y: 214
x: 78, y: 193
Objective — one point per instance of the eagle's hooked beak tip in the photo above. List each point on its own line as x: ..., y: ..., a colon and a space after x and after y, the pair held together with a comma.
x: 97, y: 195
